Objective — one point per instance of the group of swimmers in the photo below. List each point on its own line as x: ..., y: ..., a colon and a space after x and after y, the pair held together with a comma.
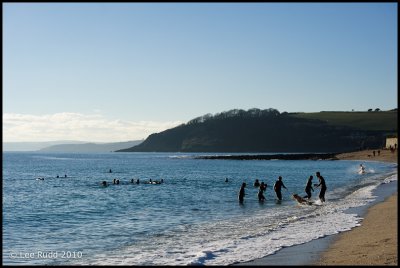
x: 137, y: 181
x: 278, y: 189
x: 42, y: 178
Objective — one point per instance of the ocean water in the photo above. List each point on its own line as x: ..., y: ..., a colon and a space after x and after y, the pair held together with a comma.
x: 193, y: 218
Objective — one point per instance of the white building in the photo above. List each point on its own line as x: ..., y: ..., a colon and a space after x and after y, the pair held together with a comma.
x: 391, y: 142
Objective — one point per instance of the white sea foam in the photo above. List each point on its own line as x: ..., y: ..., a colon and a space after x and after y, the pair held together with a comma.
x: 390, y: 178
x: 245, y: 239
x: 166, y: 226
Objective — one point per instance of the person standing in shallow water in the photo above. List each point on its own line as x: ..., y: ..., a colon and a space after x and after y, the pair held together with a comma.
x: 261, y: 190
x: 309, y: 188
x: 241, y: 192
x: 323, y: 186
x: 278, y: 187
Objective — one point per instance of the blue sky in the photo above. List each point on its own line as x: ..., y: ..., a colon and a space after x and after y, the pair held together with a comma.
x: 114, y: 72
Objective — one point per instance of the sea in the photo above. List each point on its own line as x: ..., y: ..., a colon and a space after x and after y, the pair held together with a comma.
x: 57, y: 212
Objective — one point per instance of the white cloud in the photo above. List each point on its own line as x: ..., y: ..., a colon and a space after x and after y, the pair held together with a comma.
x: 75, y: 126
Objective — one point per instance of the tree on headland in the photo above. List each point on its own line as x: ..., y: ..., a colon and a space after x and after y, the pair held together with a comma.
x: 268, y: 130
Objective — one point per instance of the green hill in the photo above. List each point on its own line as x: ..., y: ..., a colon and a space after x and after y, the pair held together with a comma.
x: 382, y: 120
x: 269, y: 130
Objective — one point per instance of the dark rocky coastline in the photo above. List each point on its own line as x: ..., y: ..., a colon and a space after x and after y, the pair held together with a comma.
x: 308, y: 156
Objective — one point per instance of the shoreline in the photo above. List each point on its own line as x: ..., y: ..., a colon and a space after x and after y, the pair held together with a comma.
x: 296, y: 156
x: 376, y: 236
x: 372, y: 243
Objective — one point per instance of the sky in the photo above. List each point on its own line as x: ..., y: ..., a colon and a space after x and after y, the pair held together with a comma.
x: 110, y: 72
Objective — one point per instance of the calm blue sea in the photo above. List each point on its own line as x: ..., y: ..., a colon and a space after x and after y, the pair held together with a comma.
x: 194, y: 217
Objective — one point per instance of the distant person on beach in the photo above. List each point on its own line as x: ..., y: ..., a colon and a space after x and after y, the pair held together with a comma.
x: 391, y: 148
x: 241, y: 192
x: 278, y: 187
x: 309, y: 188
x: 323, y: 186
x: 379, y: 152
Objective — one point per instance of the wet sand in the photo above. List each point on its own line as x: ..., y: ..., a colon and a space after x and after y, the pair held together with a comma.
x: 375, y: 241
x: 372, y: 243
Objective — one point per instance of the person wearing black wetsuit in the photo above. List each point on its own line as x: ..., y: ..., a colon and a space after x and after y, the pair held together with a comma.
x: 323, y: 187
x: 277, y: 188
x: 241, y: 192
x: 309, y: 188
x: 261, y: 190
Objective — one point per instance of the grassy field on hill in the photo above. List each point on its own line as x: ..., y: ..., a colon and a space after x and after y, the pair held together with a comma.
x: 382, y: 120
x: 268, y: 130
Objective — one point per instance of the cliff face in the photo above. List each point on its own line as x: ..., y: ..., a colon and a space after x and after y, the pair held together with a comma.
x: 262, y: 131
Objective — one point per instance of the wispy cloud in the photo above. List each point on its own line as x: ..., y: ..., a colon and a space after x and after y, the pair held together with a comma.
x: 76, y: 126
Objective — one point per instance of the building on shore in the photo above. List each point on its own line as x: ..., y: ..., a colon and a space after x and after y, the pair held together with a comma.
x: 391, y: 143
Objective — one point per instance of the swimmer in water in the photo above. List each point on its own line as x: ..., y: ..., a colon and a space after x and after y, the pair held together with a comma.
x: 362, y: 168
x: 241, y: 192
x: 323, y: 186
x: 277, y: 188
x: 309, y: 188
x: 260, y: 194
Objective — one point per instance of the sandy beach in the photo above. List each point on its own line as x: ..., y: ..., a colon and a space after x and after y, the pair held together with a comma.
x: 372, y: 243
x: 375, y: 241
x: 384, y: 156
